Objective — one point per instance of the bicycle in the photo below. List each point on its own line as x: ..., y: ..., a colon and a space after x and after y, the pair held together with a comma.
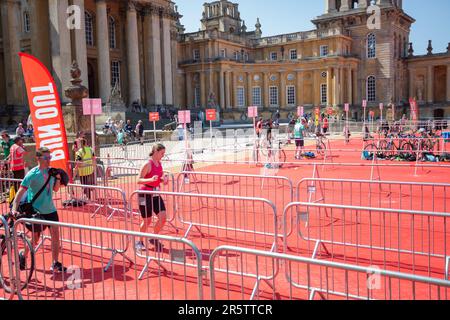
x: 276, y: 153
x: 321, y: 147
x: 7, y: 222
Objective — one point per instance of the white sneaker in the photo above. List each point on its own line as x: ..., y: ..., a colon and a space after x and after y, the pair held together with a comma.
x: 140, y: 246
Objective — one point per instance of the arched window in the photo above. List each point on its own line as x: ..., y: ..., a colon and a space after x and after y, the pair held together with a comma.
x: 112, y: 33
x: 89, y: 25
x: 26, y: 22
x: 371, y: 89
x: 371, y: 46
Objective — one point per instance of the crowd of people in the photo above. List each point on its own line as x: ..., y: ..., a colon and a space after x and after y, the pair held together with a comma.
x: 124, y: 132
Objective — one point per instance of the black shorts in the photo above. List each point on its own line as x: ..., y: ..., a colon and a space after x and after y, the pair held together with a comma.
x: 88, y: 180
x: 299, y: 142
x: 52, y: 217
x: 19, y: 174
x: 152, y: 204
x: 325, y: 130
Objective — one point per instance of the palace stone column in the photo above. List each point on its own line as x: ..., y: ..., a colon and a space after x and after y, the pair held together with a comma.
x: 80, y: 44
x: 189, y: 92
x: 265, y: 93
x: 60, y: 45
x: 329, y: 85
x: 227, y: 89
x: 448, y: 82
x: 167, y: 60
x: 11, y: 17
x: 134, y: 76
x: 249, y: 89
x: 300, y: 88
x: 222, y: 89
x: 430, y: 86
x: 349, y: 86
x: 103, y: 58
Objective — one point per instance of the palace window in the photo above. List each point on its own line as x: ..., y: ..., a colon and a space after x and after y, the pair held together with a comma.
x: 196, y: 55
x: 273, y: 96
x: 371, y: 89
x: 371, y: 46
x: 89, y: 26
x: 240, y: 94
x: 323, y: 93
x: 323, y: 51
x: 115, y: 73
x: 293, y: 54
x: 112, y: 33
x: 256, y: 95
x: 290, y: 95
x: 223, y: 53
x: 274, y: 56
x: 26, y: 22
x: 197, y: 97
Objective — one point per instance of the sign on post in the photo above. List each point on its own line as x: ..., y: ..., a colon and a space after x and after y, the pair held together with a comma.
x: 154, y: 117
x: 184, y: 117
x: 252, y: 112
x: 92, y: 107
x: 211, y: 115
x: 347, y: 107
x: 300, y: 111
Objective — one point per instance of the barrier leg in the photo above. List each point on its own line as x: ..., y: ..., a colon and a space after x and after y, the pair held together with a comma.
x: 144, y: 270
x: 316, y: 249
x: 113, y: 255
x: 447, y: 266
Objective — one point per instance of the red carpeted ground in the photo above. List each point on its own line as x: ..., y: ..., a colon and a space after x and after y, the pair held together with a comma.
x: 241, y: 222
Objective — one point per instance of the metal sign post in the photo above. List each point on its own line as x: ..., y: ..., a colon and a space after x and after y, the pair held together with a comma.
x: 154, y: 117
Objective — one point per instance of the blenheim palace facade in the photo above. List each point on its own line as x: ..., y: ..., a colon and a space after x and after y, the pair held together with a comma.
x: 141, y: 48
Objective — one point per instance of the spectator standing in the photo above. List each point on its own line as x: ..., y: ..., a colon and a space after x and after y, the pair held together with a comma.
x: 20, y: 131
x: 17, y: 160
x: 140, y: 132
x: 85, y: 165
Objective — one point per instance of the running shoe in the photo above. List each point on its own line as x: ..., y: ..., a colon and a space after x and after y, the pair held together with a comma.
x: 140, y: 246
x: 58, y: 267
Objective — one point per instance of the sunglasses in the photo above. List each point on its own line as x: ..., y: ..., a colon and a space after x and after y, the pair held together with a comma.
x: 46, y: 158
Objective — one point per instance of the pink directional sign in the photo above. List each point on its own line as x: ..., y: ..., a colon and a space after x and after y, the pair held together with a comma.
x: 92, y: 106
x: 252, y: 112
x: 364, y: 103
x: 347, y: 107
x: 381, y: 106
x: 184, y: 117
x: 300, y: 111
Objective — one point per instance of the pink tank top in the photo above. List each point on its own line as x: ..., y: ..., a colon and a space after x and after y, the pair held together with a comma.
x: 154, y: 171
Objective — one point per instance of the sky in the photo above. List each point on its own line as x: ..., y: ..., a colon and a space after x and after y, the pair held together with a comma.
x: 288, y: 16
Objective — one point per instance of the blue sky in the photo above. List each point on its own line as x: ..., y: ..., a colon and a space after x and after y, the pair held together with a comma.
x: 285, y: 16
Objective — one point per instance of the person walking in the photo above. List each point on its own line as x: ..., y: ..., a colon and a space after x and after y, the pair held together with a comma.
x: 38, y: 186
x: 150, y: 178
x: 140, y: 131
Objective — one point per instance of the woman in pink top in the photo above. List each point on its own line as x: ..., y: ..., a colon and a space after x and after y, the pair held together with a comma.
x: 150, y: 179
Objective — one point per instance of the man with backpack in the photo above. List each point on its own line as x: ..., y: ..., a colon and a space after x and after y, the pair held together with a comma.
x: 38, y: 187
x: 299, y: 134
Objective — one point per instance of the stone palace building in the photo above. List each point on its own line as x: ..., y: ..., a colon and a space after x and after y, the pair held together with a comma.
x: 141, y: 47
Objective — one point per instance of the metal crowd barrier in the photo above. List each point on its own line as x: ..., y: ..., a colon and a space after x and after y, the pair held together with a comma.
x: 88, y: 279
x: 305, y: 278
x: 126, y: 178
x: 6, y: 262
x: 415, y: 241
x: 217, y: 220
x: 373, y: 193
x: 94, y: 206
x: 277, y: 189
